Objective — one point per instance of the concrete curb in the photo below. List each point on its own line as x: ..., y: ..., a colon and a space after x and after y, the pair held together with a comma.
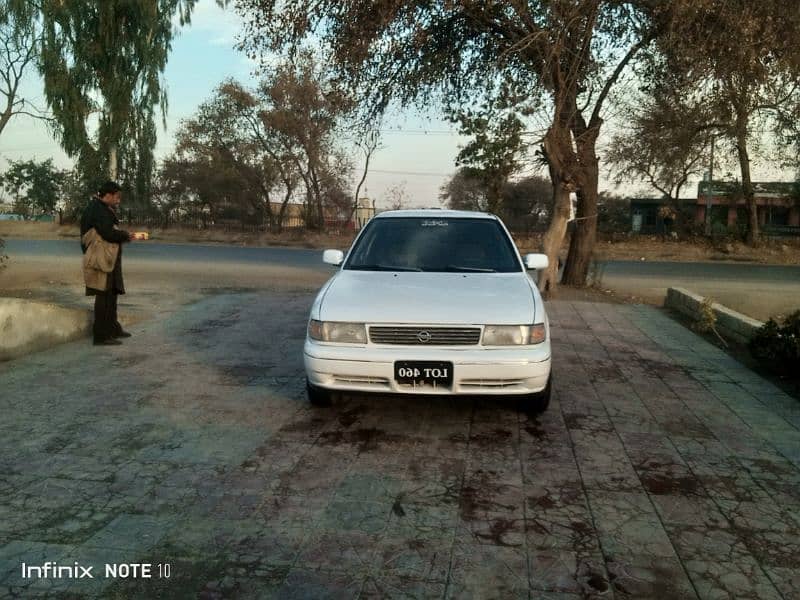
x: 730, y: 324
x: 27, y: 326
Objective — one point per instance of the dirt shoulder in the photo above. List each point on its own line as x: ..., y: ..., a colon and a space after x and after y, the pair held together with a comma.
x: 294, y: 238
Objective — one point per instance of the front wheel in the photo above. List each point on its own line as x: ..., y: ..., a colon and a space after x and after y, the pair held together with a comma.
x: 317, y: 396
x: 537, y: 403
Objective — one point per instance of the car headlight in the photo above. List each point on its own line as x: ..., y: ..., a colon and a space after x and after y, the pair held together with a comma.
x: 514, y: 335
x: 336, y: 331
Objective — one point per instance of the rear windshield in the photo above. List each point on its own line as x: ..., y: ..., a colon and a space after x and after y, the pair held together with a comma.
x: 434, y: 245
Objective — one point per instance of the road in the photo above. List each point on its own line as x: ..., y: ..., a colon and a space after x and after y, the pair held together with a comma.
x: 289, y: 257
x: 760, y: 291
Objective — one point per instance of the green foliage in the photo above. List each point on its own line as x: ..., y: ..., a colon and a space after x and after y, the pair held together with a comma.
x: 664, y: 142
x: 777, y: 346
x: 247, y: 152
x: 75, y: 193
x: 737, y: 64
x: 525, y: 203
x: 465, y: 190
x: 494, y: 151
x: 613, y: 214
x: 35, y: 186
x: 106, y: 59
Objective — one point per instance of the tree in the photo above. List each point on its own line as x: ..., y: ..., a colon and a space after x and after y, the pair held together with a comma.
x: 665, y: 142
x: 567, y: 54
x: 295, y: 116
x: 74, y: 196
x: 494, y: 151
x: 743, y: 63
x: 264, y: 146
x: 396, y: 197
x: 465, y: 190
x: 214, y: 172
x: 306, y: 110
x: 367, y: 145
x: 105, y: 60
x: 526, y: 203
x: 19, y: 37
x: 35, y: 186
x: 613, y: 213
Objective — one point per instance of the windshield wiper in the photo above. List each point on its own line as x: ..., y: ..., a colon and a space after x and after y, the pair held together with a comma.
x: 457, y: 269
x: 377, y: 267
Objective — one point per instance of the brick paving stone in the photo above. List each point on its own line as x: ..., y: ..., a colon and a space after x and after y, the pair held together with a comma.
x: 663, y: 469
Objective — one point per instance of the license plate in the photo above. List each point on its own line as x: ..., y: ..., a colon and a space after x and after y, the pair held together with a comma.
x: 419, y: 372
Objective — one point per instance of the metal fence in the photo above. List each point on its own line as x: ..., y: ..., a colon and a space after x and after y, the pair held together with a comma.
x: 149, y: 219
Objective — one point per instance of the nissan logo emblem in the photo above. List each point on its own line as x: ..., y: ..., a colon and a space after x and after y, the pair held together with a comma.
x: 424, y: 337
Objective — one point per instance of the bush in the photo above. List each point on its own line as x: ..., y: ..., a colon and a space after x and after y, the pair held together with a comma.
x: 777, y: 346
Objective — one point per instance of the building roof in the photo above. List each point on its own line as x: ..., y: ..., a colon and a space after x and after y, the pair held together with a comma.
x: 660, y: 201
x: 760, y: 188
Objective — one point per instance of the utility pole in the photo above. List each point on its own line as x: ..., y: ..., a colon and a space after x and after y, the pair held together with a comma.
x: 710, y: 188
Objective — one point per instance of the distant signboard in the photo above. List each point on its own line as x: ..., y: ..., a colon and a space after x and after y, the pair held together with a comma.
x: 760, y: 188
x: 781, y: 230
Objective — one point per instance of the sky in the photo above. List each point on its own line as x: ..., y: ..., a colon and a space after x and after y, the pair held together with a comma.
x: 417, y: 152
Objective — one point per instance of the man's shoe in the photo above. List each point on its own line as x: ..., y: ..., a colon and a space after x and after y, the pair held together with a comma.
x: 107, y: 342
x: 122, y: 334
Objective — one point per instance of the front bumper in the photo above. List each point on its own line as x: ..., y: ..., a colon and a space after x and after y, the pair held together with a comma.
x: 370, y: 368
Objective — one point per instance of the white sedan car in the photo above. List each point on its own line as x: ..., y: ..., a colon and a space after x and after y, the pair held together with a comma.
x: 430, y: 302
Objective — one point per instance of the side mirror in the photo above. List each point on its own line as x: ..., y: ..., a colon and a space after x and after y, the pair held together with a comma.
x: 535, y: 261
x: 334, y: 257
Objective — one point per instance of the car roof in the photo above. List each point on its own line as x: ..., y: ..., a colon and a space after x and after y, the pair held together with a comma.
x: 434, y: 213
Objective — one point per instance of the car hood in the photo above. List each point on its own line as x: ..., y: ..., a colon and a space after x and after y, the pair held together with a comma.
x: 448, y: 298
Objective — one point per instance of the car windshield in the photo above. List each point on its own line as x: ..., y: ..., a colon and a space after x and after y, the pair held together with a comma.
x: 431, y: 244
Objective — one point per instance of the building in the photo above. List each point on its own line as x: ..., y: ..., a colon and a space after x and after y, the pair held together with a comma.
x: 364, y: 212
x: 655, y: 215
x: 778, y: 205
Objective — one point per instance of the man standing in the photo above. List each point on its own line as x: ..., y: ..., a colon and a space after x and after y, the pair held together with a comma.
x: 100, y: 215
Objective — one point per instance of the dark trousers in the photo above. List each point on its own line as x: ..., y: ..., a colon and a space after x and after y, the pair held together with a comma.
x: 105, y: 316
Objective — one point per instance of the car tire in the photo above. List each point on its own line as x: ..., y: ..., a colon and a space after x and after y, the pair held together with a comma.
x: 318, y: 396
x: 536, y: 404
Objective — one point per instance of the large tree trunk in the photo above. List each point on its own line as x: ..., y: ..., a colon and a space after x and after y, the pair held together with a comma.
x: 753, y: 232
x: 282, y: 210
x: 112, y: 161
x: 557, y: 149
x: 354, y: 209
x: 494, y: 196
x: 554, y: 237
x: 5, y: 117
x: 581, y: 246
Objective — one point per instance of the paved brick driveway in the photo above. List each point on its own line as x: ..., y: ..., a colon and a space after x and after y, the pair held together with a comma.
x: 662, y: 470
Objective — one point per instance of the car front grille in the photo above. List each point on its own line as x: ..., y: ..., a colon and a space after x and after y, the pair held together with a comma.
x: 425, y: 336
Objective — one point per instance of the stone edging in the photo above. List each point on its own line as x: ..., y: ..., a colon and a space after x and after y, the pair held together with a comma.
x: 730, y: 324
x: 27, y: 326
